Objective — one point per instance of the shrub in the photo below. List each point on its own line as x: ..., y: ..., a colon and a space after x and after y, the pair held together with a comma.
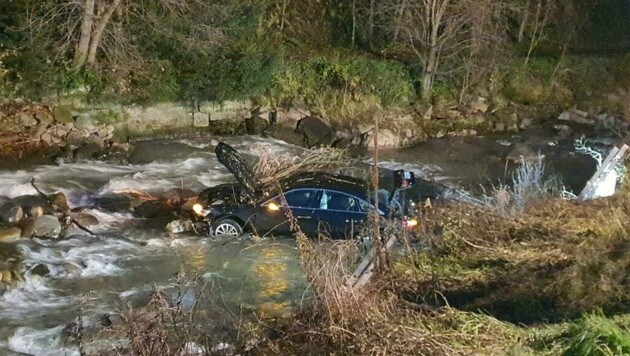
x: 343, y: 87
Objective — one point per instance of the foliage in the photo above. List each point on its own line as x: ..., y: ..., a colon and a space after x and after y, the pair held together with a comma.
x: 596, y: 335
x: 341, y: 86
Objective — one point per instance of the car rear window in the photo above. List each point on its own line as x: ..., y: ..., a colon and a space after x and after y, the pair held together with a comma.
x: 337, y: 201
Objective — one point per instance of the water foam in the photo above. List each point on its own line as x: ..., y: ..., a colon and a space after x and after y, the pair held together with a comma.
x: 45, y: 342
x: 29, y: 297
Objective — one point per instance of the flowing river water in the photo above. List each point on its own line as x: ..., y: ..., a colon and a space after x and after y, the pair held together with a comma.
x: 129, y: 257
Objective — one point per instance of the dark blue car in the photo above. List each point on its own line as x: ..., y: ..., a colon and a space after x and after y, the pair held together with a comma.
x: 335, y: 205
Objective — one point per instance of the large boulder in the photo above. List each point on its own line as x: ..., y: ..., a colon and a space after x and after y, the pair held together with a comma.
x: 314, y: 131
x: 30, y: 202
x: 45, y: 226
x: 285, y: 134
x: 256, y: 125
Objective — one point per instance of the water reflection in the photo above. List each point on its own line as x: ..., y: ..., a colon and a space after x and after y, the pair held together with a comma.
x: 271, y: 270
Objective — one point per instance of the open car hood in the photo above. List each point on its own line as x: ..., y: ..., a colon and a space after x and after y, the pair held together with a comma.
x: 235, y: 163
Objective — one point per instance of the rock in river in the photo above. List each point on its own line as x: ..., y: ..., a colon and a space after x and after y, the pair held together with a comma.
x: 10, y: 234
x: 43, y: 226
x: 11, y: 213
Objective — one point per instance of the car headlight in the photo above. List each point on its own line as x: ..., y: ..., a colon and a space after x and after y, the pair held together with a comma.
x: 198, y: 209
x: 411, y: 223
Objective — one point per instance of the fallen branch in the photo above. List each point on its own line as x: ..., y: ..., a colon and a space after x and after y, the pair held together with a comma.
x: 136, y: 194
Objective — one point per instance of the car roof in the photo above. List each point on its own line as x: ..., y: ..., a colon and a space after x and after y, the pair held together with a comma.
x: 322, y: 180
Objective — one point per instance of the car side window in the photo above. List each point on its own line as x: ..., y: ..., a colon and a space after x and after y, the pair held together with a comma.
x: 300, y: 198
x: 337, y: 201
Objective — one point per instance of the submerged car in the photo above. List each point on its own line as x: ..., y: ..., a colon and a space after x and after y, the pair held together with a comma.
x: 335, y: 205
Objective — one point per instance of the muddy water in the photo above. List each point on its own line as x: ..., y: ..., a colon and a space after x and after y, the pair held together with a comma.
x: 129, y: 257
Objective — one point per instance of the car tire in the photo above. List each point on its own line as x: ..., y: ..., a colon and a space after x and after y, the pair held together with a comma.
x: 226, y: 228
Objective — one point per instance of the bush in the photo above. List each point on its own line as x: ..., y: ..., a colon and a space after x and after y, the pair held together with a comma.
x: 343, y: 87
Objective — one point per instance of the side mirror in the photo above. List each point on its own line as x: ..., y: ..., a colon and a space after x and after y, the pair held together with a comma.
x: 404, y: 179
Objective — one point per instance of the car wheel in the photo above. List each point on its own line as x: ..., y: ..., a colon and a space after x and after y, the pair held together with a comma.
x: 226, y: 228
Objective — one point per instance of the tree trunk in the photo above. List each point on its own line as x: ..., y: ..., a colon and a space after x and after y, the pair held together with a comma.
x: 98, y: 32
x: 82, y: 50
x: 428, y: 74
x: 524, y: 21
x: 399, y: 16
x: 371, y: 22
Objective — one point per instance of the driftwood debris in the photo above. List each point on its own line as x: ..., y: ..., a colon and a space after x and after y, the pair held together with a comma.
x: 365, y: 270
x: 603, y: 181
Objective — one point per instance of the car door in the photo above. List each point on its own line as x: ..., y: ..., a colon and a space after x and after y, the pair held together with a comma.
x: 273, y: 213
x: 339, y: 214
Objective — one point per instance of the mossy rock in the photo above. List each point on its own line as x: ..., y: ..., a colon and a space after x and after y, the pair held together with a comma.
x: 63, y: 114
x: 108, y: 116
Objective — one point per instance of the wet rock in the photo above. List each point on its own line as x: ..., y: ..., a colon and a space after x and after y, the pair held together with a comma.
x: 11, y: 213
x: 180, y: 225
x: 10, y: 234
x: 36, y: 211
x: 85, y: 219
x: 256, y: 125
x: 45, y: 226
x: 59, y: 202
x: 343, y: 143
x: 285, y: 134
x: 153, y: 209
x: 88, y: 151
x: 113, y: 155
x: 201, y: 119
x: 63, y: 115
x: 27, y: 202
x: 314, y: 130
x: 40, y: 270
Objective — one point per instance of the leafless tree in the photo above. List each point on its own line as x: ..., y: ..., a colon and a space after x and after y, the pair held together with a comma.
x: 432, y: 30
x: 89, y: 31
